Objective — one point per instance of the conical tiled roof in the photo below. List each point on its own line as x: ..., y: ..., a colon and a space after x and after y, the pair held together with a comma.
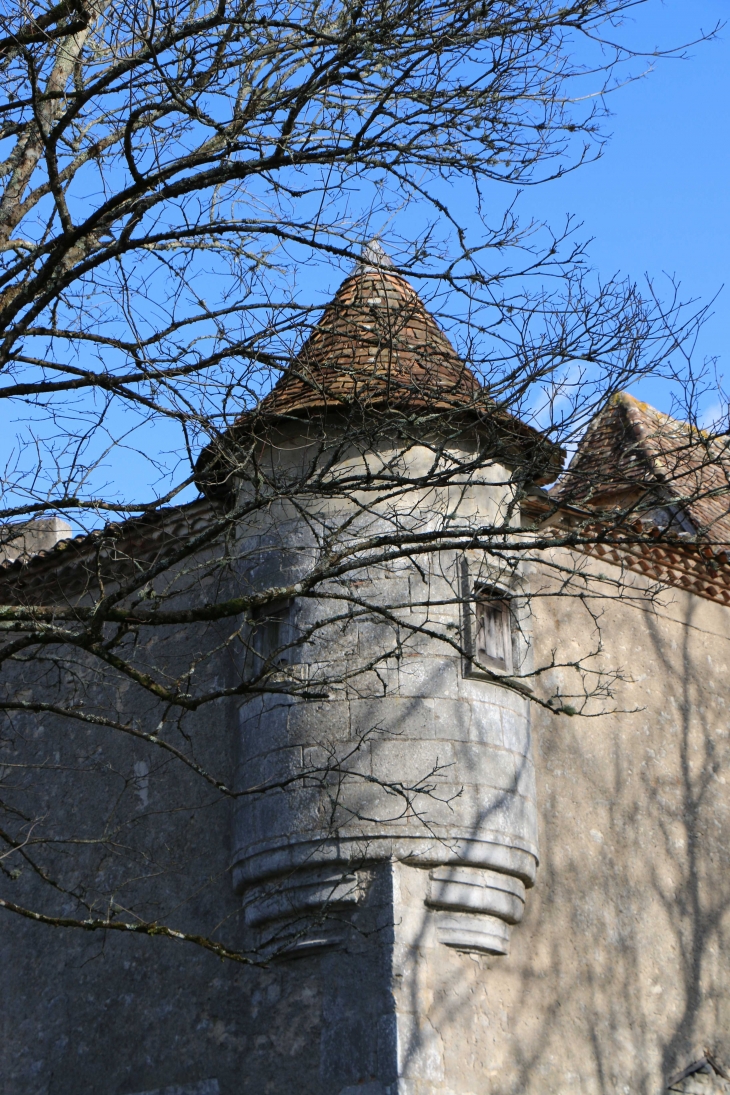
x: 375, y: 345
x: 377, y: 348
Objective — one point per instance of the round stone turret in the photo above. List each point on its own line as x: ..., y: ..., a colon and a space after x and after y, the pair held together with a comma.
x: 386, y: 743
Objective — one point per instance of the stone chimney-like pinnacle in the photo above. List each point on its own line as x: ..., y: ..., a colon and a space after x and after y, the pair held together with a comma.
x: 374, y: 254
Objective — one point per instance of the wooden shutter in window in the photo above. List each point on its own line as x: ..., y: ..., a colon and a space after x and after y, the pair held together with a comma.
x: 494, y: 639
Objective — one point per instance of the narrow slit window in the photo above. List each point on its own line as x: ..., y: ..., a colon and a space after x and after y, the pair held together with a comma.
x: 494, y: 634
x: 271, y: 633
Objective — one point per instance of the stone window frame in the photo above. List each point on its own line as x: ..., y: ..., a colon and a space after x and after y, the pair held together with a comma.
x: 480, y: 586
x: 280, y: 613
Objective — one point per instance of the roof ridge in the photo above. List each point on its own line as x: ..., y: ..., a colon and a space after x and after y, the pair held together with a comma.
x: 632, y: 403
x: 112, y: 530
x: 629, y: 406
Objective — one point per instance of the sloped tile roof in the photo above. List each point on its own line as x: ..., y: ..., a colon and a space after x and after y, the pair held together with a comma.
x: 632, y: 465
x: 685, y: 564
x: 634, y: 455
x: 65, y: 570
x: 375, y: 346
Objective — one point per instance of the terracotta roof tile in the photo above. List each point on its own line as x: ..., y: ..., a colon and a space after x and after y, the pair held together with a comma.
x: 632, y: 455
x: 684, y: 564
x: 66, y: 569
x: 377, y: 348
x: 375, y: 345
x: 638, y: 463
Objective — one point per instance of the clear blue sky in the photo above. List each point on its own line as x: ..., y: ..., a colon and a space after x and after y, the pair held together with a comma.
x: 659, y: 199
x: 657, y: 202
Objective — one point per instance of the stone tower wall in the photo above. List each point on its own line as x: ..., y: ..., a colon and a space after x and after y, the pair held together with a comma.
x: 411, y: 761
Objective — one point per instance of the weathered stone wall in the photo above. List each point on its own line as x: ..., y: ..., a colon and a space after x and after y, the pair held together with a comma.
x: 634, y: 881
x: 616, y: 977
x: 619, y: 974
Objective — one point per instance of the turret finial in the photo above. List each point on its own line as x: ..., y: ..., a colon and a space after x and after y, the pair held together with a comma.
x: 374, y: 254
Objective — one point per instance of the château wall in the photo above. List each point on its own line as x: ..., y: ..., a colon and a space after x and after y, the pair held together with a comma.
x: 619, y: 975
x: 616, y: 977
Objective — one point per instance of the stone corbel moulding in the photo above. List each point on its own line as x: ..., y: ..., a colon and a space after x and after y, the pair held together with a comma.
x: 472, y: 907
x: 482, y: 906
